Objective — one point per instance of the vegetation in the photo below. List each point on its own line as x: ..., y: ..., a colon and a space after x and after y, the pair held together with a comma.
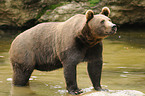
x: 93, y: 2
x: 51, y: 7
x: 41, y: 12
x: 56, y: 5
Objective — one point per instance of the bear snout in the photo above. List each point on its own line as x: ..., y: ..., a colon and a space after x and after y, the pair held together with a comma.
x: 114, y: 26
x: 114, y: 29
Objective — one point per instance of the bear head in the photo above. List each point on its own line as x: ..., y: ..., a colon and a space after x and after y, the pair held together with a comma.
x: 100, y: 25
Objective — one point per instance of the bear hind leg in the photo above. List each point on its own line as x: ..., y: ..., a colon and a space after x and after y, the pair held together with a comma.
x: 21, y: 76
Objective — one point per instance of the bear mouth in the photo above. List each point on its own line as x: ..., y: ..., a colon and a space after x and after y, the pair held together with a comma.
x: 112, y: 32
x: 105, y: 34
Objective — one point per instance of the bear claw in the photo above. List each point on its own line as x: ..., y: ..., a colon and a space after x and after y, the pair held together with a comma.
x: 76, y: 92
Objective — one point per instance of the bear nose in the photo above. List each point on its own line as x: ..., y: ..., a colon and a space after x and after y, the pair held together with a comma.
x: 114, y: 29
x: 114, y: 26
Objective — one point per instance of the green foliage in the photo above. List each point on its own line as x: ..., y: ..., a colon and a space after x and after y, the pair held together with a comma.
x: 42, y: 12
x: 56, y: 5
x: 51, y: 7
x: 93, y: 2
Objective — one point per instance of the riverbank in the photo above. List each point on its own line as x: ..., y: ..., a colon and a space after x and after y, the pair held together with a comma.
x: 23, y: 14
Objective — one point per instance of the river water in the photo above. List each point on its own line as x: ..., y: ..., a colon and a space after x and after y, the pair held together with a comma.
x: 124, y: 68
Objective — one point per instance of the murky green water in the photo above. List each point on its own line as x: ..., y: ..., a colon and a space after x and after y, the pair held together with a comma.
x: 124, y: 68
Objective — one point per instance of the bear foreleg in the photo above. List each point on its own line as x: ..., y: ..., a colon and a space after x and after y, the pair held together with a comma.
x: 21, y: 75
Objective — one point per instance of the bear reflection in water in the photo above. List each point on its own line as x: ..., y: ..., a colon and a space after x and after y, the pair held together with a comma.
x: 53, y: 45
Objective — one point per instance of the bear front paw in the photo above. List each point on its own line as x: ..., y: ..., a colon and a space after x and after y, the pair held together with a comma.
x: 75, y: 92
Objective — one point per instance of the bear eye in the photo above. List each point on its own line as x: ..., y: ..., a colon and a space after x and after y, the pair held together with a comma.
x: 109, y: 19
x: 102, y: 22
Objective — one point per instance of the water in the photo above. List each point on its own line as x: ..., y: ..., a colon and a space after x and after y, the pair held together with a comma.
x: 124, y: 69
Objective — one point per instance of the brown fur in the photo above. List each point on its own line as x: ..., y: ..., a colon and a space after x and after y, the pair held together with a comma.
x: 105, y: 11
x: 49, y: 46
x: 89, y: 15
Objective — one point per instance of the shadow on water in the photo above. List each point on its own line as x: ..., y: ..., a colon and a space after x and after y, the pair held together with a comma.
x: 134, y: 37
x: 22, y: 91
x: 123, y: 70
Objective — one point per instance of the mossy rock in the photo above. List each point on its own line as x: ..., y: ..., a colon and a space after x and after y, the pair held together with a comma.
x: 64, y: 12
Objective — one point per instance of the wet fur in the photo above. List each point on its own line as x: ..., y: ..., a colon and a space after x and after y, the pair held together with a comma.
x: 53, y: 45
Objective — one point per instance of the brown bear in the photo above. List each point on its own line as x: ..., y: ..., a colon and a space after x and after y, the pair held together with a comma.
x: 53, y: 45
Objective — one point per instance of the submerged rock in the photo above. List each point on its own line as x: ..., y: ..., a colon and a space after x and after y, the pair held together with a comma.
x: 117, y: 93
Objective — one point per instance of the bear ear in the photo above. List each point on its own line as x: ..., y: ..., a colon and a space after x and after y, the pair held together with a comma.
x: 89, y: 15
x: 105, y: 11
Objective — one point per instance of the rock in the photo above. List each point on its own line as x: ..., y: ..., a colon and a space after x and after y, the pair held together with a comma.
x: 116, y: 93
x: 27, y: 13
x: 20, y: 13
x: 64, y: 12
x: 124, y: 11
x: 1, y: 33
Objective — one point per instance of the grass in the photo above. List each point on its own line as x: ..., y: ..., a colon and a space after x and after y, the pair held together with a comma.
x: 93, y: 2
